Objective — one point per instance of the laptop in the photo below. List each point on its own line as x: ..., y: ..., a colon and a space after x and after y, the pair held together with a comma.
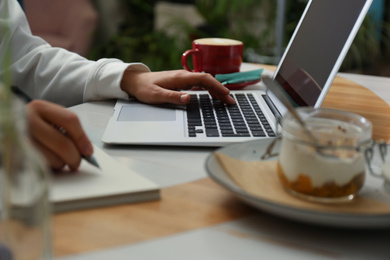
x: 306, y: 71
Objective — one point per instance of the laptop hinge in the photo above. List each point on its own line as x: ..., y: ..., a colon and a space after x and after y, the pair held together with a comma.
x: 271, y: 105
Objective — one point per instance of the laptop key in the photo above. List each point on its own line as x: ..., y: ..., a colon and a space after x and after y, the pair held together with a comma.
x: 258, y: 133
x: 212, y: 132
x: 237, y: 135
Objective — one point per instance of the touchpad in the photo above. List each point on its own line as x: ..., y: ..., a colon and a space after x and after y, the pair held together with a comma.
x: 144, y: 112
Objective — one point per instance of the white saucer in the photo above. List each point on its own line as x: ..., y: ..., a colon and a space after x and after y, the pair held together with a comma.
x: 251, y: 151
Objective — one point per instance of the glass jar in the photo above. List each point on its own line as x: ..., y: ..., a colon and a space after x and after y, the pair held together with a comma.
x: 331, y: 167
x: 25, y: 213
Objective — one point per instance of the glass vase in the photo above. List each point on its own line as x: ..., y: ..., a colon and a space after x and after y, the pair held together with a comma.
x: 25, y: 232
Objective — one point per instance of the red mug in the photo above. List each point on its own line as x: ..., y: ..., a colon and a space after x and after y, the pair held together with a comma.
x: 214, y: 56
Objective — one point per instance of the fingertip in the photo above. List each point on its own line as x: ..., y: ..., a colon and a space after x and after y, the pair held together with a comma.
x: 184, y: 98
x: 87, y: 148
x: 74, y: 167
x: 231, y: 100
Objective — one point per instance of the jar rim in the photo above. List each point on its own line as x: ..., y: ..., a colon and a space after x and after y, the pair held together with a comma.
x: 360, y: 146
x: 333, y: 119
x: 311, y: 111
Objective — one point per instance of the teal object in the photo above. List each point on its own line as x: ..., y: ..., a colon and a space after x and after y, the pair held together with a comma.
x: 377, y: 13
x: 239, y: 77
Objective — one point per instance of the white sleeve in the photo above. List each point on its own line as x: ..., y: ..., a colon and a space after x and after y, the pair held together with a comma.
x: 55, y: 74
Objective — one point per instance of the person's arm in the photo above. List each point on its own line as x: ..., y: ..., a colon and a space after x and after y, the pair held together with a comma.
x: 58, y: 134
x: 63, y: 77
x: 55, y: 74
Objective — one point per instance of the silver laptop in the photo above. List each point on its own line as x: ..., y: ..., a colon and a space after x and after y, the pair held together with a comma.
x: 306, y: 71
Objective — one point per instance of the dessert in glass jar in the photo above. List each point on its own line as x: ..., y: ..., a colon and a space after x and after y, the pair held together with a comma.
x: 331, y: 167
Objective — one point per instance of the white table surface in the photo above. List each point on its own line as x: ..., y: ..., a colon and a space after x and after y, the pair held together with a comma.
x: 261, y: 236
x: 256, y: 237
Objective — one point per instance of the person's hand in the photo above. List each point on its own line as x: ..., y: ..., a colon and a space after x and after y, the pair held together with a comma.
x: 58, y: 134
x: 162, y: 87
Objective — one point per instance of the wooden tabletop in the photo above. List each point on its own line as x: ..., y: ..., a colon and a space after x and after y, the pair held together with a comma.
x: 181, y: 208
x: 347, y: 95
x: 192, y: 205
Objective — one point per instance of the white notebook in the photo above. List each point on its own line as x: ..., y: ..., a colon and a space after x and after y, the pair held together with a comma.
x: 91, y: 187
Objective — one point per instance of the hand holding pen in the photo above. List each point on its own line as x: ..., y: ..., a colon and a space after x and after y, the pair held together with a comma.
x: 65, y: 147
x: 57, y: 133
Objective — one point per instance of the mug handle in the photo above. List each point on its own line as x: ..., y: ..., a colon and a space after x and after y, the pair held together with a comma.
x: 196, y: 60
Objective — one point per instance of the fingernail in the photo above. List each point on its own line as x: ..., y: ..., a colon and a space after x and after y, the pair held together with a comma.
x: 183, y: 98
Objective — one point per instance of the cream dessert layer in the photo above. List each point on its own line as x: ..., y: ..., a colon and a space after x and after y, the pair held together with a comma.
x: 297, y: 159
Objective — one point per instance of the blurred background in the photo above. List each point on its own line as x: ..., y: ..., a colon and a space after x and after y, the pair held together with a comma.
x: 158, y: 32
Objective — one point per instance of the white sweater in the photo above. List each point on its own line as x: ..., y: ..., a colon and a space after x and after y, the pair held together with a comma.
x: 55, y: 74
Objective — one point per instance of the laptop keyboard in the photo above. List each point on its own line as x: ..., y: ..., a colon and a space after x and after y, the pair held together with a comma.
x: 215, y: 119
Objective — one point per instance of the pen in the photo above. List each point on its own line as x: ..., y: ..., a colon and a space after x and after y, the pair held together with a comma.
x: 18, y: 92
x: 91, y: 159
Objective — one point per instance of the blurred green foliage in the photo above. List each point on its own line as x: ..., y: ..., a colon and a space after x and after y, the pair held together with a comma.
x: 369, y: 47
x: 138, y: 41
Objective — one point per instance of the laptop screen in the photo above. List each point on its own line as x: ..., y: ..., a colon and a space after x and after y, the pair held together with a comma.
x: 316, y: 51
